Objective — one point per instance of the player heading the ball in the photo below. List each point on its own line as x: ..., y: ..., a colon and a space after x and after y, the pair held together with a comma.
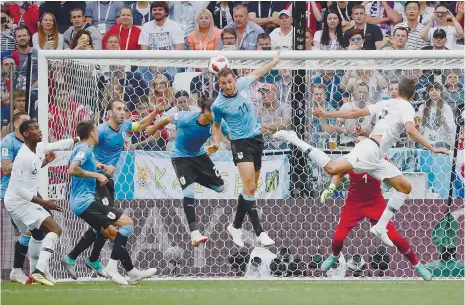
x: 368, y: 156
x: 234, y: 106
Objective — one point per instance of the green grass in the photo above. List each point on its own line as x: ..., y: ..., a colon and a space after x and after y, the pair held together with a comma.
x: 236, y: 292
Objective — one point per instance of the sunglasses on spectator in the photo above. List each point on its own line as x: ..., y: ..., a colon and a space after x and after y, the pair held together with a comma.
x: 356, y: 38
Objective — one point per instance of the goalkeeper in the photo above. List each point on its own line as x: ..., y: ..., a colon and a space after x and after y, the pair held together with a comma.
x: 365, y: 199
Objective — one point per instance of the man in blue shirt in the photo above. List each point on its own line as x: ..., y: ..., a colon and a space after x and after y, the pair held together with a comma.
x: 102, y: 217
x: 11, y: 144
x: 108, y: 149
x: 234, y: 106
x: 189, y: 159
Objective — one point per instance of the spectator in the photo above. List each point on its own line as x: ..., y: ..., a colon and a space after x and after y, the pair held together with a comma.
x: 61, y: 11
x: 265, y: 13
x: 393, y: 88
x: 350, y: 129
x: 141, y: 13
x: 343, y: 9
x: 308, y: 40
x: 228, y: 39
x: 453, y: 94
x: 398, y: 41
x: 376, y: 82
x: 222, y: 12
x: 156, y: 142
x: 25, y: 14
x: 20, y: 55
x: 412, y: 12
x: 161, y: 91
x: 7, y: 41
x: 103, y: 14
x: 263, y: 42
x: 48, y: 38
x: 312, y: 13
x: 356, y: 39
x: 331, y: 81
x: 184, y: 13
x: 284, y: 86
x: 441, y: 15
x: 282, y: 38
x: 19, y: 105
x: 82, y: 40
x: 205, y: 35
x: 127, y: 32
x: 456, y: 8
x: 6, y: 79
x: 439, y: 41
x: 113, y: 42
x: 436, y: 118
x: 385, y: 14
x: 247, y: 31
x: 330, y: 38
x: 371, y: 32
x: 320, y: 128
x: 161, y: 33
x: 274, y: 115
x: 426, y: 11
x: 76, y: 16
x: 133, y: 84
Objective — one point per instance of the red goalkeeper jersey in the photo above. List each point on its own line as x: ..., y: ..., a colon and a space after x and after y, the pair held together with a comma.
x: 363, y: 190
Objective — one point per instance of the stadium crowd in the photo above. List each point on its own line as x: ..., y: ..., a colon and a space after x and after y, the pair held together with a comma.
x: 233, y: 25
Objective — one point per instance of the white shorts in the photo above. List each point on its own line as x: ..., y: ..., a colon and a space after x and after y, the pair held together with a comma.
x: 28, y: 216
x: 366, y: 157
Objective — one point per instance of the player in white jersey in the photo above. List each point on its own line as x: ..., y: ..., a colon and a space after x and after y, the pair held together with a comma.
x: 22, y: 202
x: 368, y: 156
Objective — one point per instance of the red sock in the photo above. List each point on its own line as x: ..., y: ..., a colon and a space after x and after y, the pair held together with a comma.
x: 402, y: 244
x: 338, y: 239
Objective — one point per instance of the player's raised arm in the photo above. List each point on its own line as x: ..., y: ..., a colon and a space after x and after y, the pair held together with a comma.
x: 257, y: 73
x: 341, y: 114
x: 145, y: 122
x: 151, y: 130
x: 335, y: 181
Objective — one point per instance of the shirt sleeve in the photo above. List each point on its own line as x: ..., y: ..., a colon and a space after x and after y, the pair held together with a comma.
x: 81, y: 156
x: 217, y: 114
x: 224, y: 128
x: 60, y: 145
x: 245, y: 82
x: 130, y: 126
x: 144, y: 35
x: 408, y: 115
x: 7, y: 150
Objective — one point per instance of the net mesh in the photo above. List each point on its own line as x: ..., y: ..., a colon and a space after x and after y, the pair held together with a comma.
x: 289, y: 187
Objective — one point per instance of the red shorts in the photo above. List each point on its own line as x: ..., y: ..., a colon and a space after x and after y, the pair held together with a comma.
x: 352, y: 214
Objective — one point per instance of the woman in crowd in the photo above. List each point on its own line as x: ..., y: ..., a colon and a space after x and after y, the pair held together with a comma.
x: 82, y: 41
x: 330, y: 38
x: 205, y: 35
x: 454, y: 93
x: 436, y: 118
x: 127, y: 32
x: 48, y: 37
x: 141, y: 13
x: 161, y: 92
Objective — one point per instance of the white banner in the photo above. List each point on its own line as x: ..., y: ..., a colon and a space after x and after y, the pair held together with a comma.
x: 154, y: 178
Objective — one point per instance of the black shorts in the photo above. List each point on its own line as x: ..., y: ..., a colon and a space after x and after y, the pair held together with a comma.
x: 98, y: 215
x: 106, y: 193
x: 248, y: 150
x: 200, y: 169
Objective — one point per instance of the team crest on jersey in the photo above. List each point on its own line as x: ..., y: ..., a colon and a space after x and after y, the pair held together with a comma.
x: 4, y: 152
x: 111, y: 215
x: 182, y: 180
x: 80, y: 155
x: 244, y: 94
x: 271, y: 181
x: 240, y: 155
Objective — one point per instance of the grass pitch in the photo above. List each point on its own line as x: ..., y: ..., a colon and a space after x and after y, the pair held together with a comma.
x: 237, y: 292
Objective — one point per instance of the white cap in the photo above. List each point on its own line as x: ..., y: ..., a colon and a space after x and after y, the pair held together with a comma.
x: 285, y: 12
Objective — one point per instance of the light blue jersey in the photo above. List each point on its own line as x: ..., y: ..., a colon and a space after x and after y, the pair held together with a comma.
x: 111, y: 142
x: 190, y: 135
x: 10, y: 147
x: 83, y: 191
x: 238, y: 111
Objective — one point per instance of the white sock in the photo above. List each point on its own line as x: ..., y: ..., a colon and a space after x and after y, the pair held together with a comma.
x: 48, y: 247
x: 396, y: 201
x: 303, y: 146
x: 33, y: 253
x: 112, y: 264
x: 319, y: 156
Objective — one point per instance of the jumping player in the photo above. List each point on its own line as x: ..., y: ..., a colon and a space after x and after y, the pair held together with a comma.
x: 365, y: 199
x: 107, y: 151
x: 189, y: 159
x: 234, y: 106
x: 368, y: 156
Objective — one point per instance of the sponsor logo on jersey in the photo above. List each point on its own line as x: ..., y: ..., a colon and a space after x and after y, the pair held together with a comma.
x: 271, y: 181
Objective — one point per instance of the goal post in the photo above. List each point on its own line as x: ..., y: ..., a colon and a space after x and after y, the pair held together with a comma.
x: 147, y: 189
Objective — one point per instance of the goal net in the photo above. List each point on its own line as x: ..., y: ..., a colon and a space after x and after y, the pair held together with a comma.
x: 80, y: 85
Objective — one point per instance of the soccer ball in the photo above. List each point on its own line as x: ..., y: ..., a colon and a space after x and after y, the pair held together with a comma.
x: 217, y: 63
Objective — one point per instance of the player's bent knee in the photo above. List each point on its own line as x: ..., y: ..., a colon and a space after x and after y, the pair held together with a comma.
x: 124, y: 221
x: 24, y: 240
x: 250, y: 188
x: 126, y: 230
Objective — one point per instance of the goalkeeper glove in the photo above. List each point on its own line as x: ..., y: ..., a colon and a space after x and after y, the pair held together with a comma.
x: 327, y: 192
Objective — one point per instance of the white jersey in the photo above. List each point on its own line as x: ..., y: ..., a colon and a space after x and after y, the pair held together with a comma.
x: 391, y: 115
x: 24, y: 181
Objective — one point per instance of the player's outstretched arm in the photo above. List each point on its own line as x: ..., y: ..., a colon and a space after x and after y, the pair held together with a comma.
x: 341, y: 114
x: 335, y: 181
x: 76, y: 170
x: 417, y: 137
x: 62, y: 144
x: 256, y: 74
x: 151, y: 130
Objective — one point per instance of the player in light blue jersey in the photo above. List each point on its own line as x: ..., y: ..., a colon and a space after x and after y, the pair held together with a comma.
x: 189, y: 158
x: 234, y: 106
x: 112, y: 134
x: 103, y: 218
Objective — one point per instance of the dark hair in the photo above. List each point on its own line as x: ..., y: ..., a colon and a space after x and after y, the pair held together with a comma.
x: 325, y: 34
x: 162, y: 4
x: 440, y: 105
x: 225, y: 72
x: 407, y: 88
x: 400, y: 28
x: 84, y: 128
x: 144, y: 99
x: 240, y: 5
x: 19, y: 93
x: 231, y: 31
x: 205, y: 103
x: 6, y: 10
x: 75, y: 10
x: 353, y: 32
x: 441, y: 4
x: 263, y: 36
x: 78, y: 35
x: 409, y: 2
x: 112, y: 103
x: 358, y: 7
x: 393, y: 82
x: 26, y: 125
x: 22, y: 27
x: 18, y: 115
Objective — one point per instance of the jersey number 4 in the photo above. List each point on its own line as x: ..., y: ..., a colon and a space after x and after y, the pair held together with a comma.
x: 243, y: 108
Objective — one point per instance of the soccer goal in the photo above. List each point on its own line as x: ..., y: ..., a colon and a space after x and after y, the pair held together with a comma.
x: 80, y: 85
